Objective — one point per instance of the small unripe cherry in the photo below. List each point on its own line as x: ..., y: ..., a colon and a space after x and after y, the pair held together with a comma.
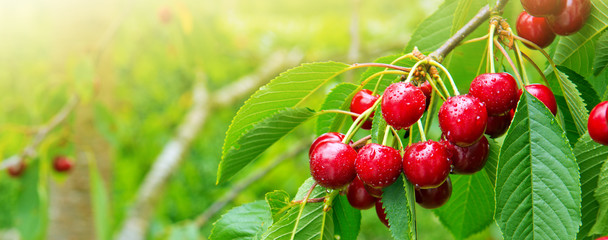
x: 332, y: 164
x: 358, y: 197
x: 434, y: 197
x: 402, y: 105
x: 426, y: 164
x: 468, y: 160
x: 62, y: 164
x: 326, y: 137
x: 598, y: 123
x: 463, y: 119
x: 534, y: 29
x: 362, y: 101
x: 380, y: 212
x: 17, y: 170
x: 544, y: 94
x: 498, y: 125
x: 377, y: 165
x: 497, y: 90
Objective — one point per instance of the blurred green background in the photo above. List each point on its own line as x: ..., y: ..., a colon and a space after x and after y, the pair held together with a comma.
x: 134, y: 64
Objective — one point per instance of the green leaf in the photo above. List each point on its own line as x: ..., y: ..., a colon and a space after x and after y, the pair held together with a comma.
x: 470, y: 209
x: 568, y: 121
x: 31, y: 214
x: 436, y: 29
x: 378, y: 126
x: 399, y: 208
x: 590, y: 156
x: 290, y: 89
x: 386, y: 79
x: 538, y: 194
x: 600, y: 62
x: 347, y: 220
x: 588, y: 94
x: 257, y: 139
x: 185, y: 231
x: 492, y: 162
x: 338, y: 98
x: 577, y: 51
x: 248, y: 221
x: 279, y: 202
x: 574, y: 101
x: 100, y: 202
x: 307, y: 223
x: 601, y: 194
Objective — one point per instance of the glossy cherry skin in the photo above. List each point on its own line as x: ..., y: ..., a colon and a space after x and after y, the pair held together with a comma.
x: 362, y: 101
x: 498, y: 125
x: 426, y: 164
x: 497, y: 90
x: 544, y: 94
x: 326, y: 137
x: 402, y: 105
x: 597, y: 125
x: 432, y: 198
x: 358, y: 197
x: 468, y: 160
x: 378, y: 166
x: 427, y: 89
x: 571, y: 18
x: 332, y: 164
x: 17, y: 170
x: 374, y: 192
x: 541, y: 8
x: 380, y: 212
x: 62, y: 164
x: 534, y: 29
x: 463, y: 119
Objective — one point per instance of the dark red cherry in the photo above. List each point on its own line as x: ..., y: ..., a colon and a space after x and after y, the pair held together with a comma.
x: 17, y: 169
x: 434, y: 197
x: 362, y: 101
x: 497, y: 90
x: 498, y: 125
x: 380, y: 212
x: 358, y: 197
x: 468, y: 160
x: 597, y: 123
x: 571, y: 18
x: 544, y: 94
x: 427, y: 89
x: 402, y: 105
x: 377, y: 165
x: 426, y: 164
x: 541, y: 8
x: 62, y: 164
x: 332, y: 164
x: 374, y: 192
x: 534, y: 29
x: 326, y: 137
x: 463, y: 119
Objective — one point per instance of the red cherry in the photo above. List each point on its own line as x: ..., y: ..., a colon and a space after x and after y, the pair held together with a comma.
x: 332, y: 164
x: 326, y: 137
x: 380, y: 212
x: 597, y: 123
x: 468, y: 160
x: 463, y: 119
x: 358, y: 197
x: 427, y: 89
x: 497, y: 90
x: 602, y: 238
x: 542, y: 7
x: 374, y: 192
x: 62, y: 164
x: 362, y: 101
x: 426, y: 164
x: 544, y: 94
x: 534, y: 29
x: 434, y: 197
x: 16, y: 170
x: 378, y: 166
x: 571, y: 18
x: 498, y: 125
x: 402, y: 105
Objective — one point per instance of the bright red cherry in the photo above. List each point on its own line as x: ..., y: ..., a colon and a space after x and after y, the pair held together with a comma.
x: 468, y: 160
x: 597, y: 123
x: 534, y: 29
x: 426, y: 164
x: 602, y: 238
x: 62, y: 164
x: 544, y: 94
x: 332, y: 164
x: 434, y: 197
x: 541, y: 8
x: 374, y: 192
x: 463, y: 119
x: 497, y: 90
x: 358, y: 197
x: 16, y: 170
x: 362, y: 101
x: 326, y: 137
x: 498, y: 125
x: 427, y: 89
x: 571, y: 18
x: 402, y: 105
x: 380, y: 212
x: 377, y: 165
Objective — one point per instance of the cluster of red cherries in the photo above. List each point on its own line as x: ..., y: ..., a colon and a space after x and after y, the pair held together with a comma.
x: 60, y: 164
x: 542, y: 19
x: 463, y: 149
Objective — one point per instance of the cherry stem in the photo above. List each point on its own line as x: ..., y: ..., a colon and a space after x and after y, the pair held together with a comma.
x: 361, y: 141
x: 546, y: 56
x: 362, y: 65
x: 381, y: 75
x: 520, y: 60
x: 339, y: 111
x: 490, y: 48
x: 386, y: 132
x: 360, y: 120
x: 421, y: 129
x: 329, y: 200
x: 435, y: 89
x: 540, y: 72
x: 504, y: 53
x: 409, y: 55
x: 484, y: 37
x: 427, y: 122
x: 437, y: 64
x: 410, y: 75
x: 396, y: 134
x: 302, y: 209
